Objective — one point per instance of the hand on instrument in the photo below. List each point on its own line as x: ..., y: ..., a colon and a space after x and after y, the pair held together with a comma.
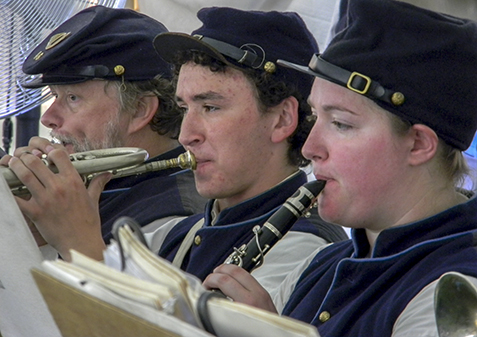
x: 239, y: 285
x: 5, y: 159
x: 36, y: 146
x: 63, y: 210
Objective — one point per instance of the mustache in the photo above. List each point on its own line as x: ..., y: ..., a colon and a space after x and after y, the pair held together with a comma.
x: 67, y: 139
x: 61, y: 139
x: 111, y: 139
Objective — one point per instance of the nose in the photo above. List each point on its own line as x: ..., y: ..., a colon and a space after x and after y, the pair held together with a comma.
x: 52, y: 118
x: 192, y: 131
x: 315, y: 146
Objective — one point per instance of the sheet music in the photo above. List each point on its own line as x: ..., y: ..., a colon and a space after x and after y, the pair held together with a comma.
x: 23, y: 311
x: 229, y: 319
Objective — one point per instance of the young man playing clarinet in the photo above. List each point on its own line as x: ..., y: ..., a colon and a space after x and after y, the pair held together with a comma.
x: 245, y: 120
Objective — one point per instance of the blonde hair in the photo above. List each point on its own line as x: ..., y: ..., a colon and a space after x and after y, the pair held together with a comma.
x: 451, y: 161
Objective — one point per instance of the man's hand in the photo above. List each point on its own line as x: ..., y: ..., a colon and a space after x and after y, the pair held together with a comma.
x: 64, y: 212
x: 239, y: 285
x: 36, y: 146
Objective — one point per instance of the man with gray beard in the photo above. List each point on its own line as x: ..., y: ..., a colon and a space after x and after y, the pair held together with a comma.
x: 111, y: 89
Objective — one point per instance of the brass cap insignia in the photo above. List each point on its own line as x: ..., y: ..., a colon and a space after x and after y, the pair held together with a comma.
x: 57, y: 39
x: 39, y: 56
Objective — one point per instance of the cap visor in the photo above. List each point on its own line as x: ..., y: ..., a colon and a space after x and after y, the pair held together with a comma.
x: 307, y: 70
x: 41, y: 81
x: 168, y: 44
x: 33, y: 83
x: 303, y: 69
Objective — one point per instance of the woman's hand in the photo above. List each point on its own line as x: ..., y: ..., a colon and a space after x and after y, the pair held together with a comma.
x: 239, y: 285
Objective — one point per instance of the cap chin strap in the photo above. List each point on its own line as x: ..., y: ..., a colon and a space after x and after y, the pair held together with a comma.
x: 244, y: 57
x: 354, y: 81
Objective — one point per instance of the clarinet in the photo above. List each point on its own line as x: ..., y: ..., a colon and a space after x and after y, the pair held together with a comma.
x: 250, y: 256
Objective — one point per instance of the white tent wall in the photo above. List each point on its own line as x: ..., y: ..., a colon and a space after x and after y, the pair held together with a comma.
x: 180, y: 15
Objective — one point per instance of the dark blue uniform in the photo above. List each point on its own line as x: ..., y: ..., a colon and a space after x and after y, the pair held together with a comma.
x: 362, y: 296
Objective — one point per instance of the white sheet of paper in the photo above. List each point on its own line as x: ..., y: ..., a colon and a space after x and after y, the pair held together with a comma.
x: 23, y: 311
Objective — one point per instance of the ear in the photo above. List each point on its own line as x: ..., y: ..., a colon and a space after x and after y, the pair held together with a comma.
x: 145, y: 110
x: 424, y: 144
x: 287, y: 119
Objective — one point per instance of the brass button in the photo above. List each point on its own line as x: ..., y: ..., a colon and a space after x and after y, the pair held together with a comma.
x: 324, y: 316
x: 397, y: 98
x: 270, y: 67
x: 197, y: 240
x: 119, y: 70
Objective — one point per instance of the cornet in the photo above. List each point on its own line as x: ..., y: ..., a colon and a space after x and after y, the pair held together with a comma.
x: 121, y: 162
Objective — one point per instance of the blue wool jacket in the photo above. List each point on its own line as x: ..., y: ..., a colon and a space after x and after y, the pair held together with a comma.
x: 365, y: 296
x: 234, y: 228
x: 150, y: 196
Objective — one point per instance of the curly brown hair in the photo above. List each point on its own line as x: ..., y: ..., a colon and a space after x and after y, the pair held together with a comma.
x: 270, y: 92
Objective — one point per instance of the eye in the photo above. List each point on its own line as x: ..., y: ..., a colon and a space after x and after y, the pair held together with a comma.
x: 210, y: 108
x: 72, y: 98
x: 341, y: 126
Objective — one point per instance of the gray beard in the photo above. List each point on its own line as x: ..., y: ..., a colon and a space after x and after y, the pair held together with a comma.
x: 111, y: 139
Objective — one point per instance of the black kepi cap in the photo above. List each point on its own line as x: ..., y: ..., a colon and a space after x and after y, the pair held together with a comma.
x: 417, y: 64
x: 98, y: 42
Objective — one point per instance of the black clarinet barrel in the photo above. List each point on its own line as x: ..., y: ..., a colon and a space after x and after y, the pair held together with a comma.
x: 250, y: 256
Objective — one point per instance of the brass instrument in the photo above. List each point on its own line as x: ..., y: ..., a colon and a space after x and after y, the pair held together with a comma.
x: 455, y: 306
x: 121, y: 162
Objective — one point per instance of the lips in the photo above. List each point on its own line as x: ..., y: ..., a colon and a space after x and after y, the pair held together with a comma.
x: 198, y: 157
x: 201, y: 159
x: 63, y: 140
x: 203, y: 166
x: 320, y: 177
x: 58, y: 139
x: 68, y: 145
x: 202, y: 162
